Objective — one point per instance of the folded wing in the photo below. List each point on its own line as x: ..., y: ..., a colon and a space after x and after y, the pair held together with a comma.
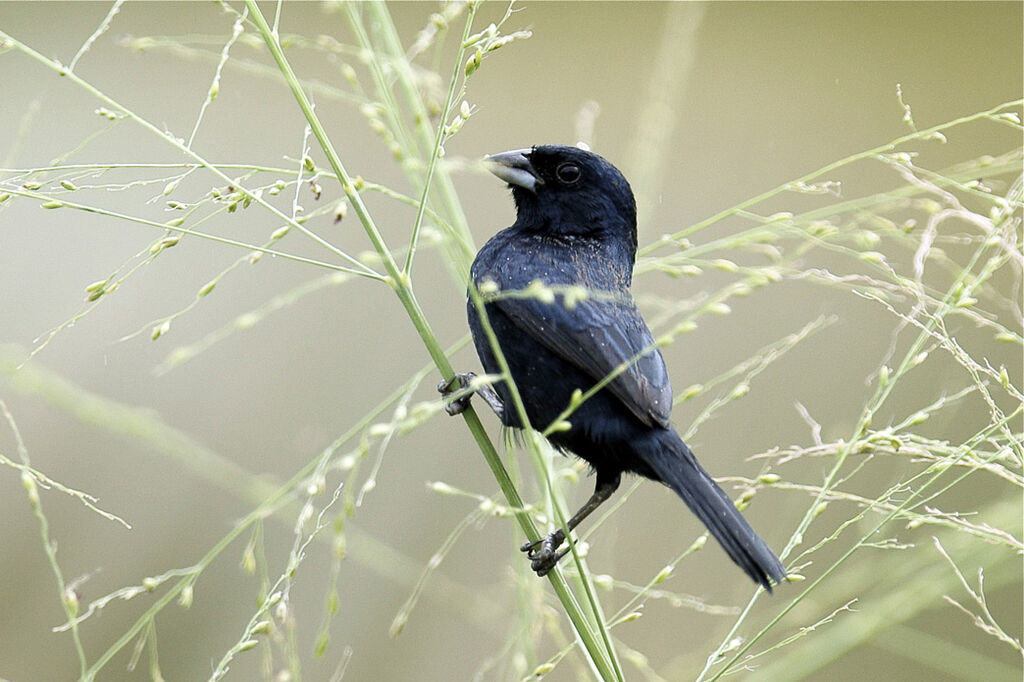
x: 599, y: 337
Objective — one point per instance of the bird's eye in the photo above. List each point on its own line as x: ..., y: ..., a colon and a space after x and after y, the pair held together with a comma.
x: 568, y: 173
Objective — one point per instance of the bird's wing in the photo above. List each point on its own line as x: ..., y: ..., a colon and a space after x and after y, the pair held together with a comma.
x: 598, y: 336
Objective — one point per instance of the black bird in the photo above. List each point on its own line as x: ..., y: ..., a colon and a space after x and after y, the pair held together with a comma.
x: 575, y: 232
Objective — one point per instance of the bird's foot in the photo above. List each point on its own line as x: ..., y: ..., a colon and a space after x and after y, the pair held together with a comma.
x: 459, y: 403
x: 543, y: 554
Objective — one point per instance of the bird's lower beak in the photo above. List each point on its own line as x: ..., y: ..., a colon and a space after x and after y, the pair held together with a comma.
x: 514, y: 167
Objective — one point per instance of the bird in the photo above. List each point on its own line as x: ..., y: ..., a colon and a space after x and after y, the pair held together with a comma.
x: 555, y: 293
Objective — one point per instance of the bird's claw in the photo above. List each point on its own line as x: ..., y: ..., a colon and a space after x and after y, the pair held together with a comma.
x: 445, y: 388
x: 542, y: 553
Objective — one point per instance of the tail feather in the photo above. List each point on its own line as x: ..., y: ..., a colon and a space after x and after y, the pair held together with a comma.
x: 675, y: 465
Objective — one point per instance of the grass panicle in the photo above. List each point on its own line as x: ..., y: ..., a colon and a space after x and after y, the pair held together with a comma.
x: 937, y: 252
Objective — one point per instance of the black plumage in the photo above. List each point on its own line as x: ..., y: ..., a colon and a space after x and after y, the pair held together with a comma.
x: 575, y: 233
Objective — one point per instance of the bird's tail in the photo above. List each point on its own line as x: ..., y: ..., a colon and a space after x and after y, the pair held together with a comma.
x: 675, y: 465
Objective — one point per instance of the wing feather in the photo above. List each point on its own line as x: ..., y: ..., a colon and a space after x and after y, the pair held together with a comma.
x: 598, y: 336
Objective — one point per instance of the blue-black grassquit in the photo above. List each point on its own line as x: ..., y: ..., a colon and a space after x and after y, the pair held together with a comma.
x: 575, y: 233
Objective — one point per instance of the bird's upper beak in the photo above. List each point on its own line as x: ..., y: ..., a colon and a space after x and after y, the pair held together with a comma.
x: 514, y: 167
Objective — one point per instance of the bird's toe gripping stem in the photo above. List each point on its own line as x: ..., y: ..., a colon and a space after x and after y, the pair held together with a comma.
x: 543, y: 554
x: 458, y: 389
x: 465, y: 391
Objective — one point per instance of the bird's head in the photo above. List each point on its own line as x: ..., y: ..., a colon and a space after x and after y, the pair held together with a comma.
x: 569, y: 191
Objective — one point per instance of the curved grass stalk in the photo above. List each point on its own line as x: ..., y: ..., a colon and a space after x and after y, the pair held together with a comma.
x: 601, y: 654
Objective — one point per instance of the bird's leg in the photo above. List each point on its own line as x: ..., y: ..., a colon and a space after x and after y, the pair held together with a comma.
x: 542, y: 553
x: 459, y: 404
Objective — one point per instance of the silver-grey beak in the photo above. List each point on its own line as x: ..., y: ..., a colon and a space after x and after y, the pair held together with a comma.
x: 514, y: 168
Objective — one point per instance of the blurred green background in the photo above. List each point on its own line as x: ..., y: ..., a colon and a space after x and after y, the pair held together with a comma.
x: 737, y: 97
